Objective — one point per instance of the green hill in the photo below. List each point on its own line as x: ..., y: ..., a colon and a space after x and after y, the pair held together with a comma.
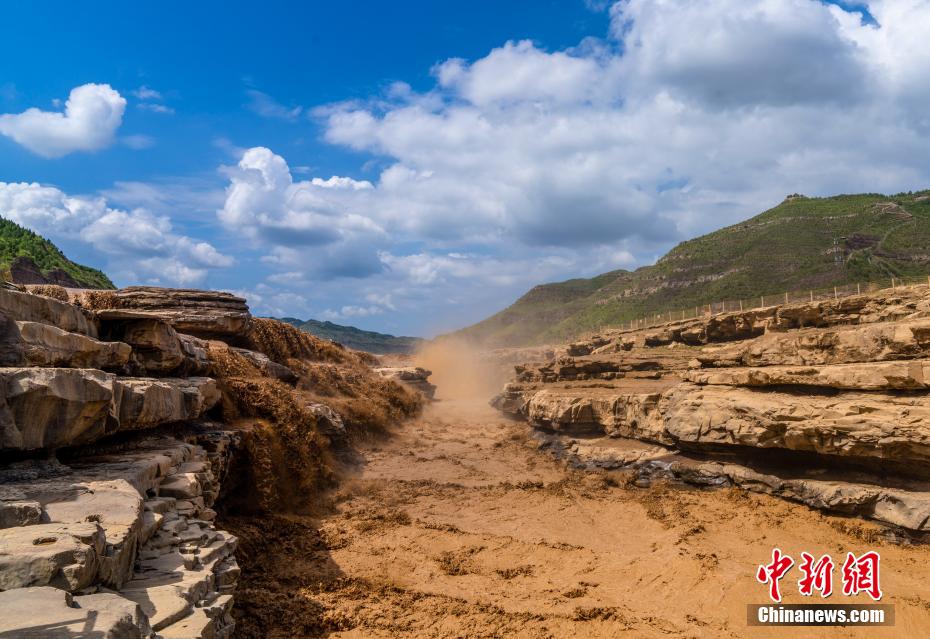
x: 27, y: 258
x: 788, y: 248
x: 369, y: 341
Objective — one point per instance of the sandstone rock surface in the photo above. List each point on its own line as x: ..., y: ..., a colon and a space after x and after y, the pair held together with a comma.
x: 23, y: 307
x: 156, y: 347
x: 872, y: 376
x: 871, y: 343
x: 155, y: 562
x: 48, y: 346
x: 206, y: 314
x: 839, y: 388
x: 57, y: 407
x: 50, y: 613
x: 146, y: 402
x: 848, y: 424
x: 53, y: 407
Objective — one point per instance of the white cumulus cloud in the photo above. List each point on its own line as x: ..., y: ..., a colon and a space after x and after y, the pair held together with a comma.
x: 138, y: 245
x: 264, y: 202
x: 89, y: 122
x: 528, y: 164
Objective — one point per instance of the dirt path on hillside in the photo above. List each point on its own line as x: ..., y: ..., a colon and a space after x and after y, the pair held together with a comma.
x: 456, y: 526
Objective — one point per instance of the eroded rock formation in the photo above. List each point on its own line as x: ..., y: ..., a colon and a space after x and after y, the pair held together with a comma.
x: 826, y: 403
x: 122, y: 417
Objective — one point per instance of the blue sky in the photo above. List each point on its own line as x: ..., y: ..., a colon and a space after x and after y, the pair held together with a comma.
x: 412, y: 167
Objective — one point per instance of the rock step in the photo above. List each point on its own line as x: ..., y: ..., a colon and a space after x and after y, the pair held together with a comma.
x: 872, y: 376
x: 99, y: 517
x: 25, y: 307
x: 57, y: 407
x: 848, y: 493
x: 49, y: 346
x: 47, y: 613
x: 65, y: 556
x: 206, y: 314
x: 841, y: 345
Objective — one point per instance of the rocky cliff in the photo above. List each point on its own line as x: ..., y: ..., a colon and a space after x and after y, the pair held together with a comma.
x: 825, y: 403
x: 131, y: 422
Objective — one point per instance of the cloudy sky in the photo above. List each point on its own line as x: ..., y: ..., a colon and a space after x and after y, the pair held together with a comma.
x: 413, y: 167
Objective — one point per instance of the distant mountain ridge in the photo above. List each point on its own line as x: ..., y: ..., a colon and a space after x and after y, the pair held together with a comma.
x: 801, y: 243
x: 356, y: 338
x: 29, y: 258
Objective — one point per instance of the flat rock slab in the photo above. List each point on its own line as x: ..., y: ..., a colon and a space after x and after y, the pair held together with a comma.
x: 61, y: 555
x: 49, y: 613
x: 50, y: 346
x: 872, y: 376
x: 871, y: 425
x: 58, y: 407
x: 196, y: 312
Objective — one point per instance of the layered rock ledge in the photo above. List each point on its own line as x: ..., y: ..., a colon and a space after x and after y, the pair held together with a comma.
x: 108, y: 469
x: 838, y: 389
x: 125, y: 416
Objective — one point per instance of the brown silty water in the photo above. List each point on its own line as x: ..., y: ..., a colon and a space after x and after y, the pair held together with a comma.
x: 456, y: 525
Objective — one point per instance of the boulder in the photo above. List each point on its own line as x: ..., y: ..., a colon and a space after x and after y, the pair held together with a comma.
x: 510, y: 402
x: 196, y: 357
x: 52, y: 407
x: 578, y: 349
x: 328, y: 421
x: 17, y: 511
x: 661, y: 338
x: 24, y: 307
x: 736, y: 326
x: 157, y: 349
